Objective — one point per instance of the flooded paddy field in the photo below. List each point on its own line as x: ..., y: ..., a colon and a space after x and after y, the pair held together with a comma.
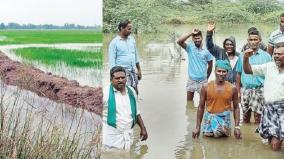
x: 80, y: 62
x: 37, y: 126
x: 168, y: 118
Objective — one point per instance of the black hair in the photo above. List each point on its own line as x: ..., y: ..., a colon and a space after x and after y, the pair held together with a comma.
x: 251, y: 29
x: 123, y: 24
x: 254, y: 32
x: 199, y: 33
x: 116, y: 69
x: 282, y: 15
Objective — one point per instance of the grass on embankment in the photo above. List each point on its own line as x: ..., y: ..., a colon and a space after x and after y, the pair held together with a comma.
x: 49, y: 36
x: 28, y: 131
x: 52, y: 56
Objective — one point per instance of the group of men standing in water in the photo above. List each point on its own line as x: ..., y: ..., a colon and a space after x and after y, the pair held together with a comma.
x: 253, y: 78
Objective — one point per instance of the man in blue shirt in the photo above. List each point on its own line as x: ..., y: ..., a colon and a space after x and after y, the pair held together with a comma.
x: 199, y: 62
x: 123, y: 52
x: 252, y: 85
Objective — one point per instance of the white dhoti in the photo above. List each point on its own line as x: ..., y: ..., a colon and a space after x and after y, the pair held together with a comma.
x: 117, y: 138
x: 122, y: 136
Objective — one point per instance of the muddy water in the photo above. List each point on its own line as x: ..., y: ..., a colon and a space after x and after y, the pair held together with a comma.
x: 45, y: 113
x: 168, y: 118
x: 43, y: 116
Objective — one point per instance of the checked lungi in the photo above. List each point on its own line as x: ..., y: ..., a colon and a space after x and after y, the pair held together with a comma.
x: 272, y: 120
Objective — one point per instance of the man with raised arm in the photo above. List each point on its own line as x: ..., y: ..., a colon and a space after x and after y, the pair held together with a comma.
x: 272, y: 121
x: 227, y: 52
x: 200, y: 62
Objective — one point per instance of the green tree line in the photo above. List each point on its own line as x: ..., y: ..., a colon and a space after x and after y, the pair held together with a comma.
x: 148, y: 15
x: 13, y: 25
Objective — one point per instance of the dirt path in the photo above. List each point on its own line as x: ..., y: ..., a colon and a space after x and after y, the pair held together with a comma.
x: 51, y: 86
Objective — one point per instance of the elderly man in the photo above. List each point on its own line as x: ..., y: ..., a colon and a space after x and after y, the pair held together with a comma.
x: 276, y: 36
x: 120, y: 112
x: 272, y: 121
x: 218, y: 95
x: 252, y: 85
x: 228, y: 52
x: 123, y: 52
x: 199, y: 62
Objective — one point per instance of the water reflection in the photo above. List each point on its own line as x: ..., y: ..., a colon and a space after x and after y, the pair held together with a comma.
x: 85, y: 76
x: 2, y: 38
x: 162, y: 77
x: 26, y: 111
x: 189, y: 148
x: 137, y: 151
x: 156, y: 61
x: 168, y: 118
x: 227, y: 148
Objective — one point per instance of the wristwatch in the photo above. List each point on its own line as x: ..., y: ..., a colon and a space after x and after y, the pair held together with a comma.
x: 237, y: 127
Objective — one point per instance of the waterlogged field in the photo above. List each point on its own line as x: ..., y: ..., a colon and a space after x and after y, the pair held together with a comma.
x: 36, y: 127
x: 52, y: 56
x: 170, y: 132
x: 49, y: 36
x: 74, y: 54
x: 82, y: 63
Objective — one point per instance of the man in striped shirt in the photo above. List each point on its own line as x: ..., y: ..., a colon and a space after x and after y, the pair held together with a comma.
x: 276, y: 36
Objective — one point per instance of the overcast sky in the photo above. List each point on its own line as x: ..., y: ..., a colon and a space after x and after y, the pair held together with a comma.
x: 58, y: 12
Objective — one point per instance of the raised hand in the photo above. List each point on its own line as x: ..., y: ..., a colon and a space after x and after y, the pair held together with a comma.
x: 211, y: 26
x: 194, y: 31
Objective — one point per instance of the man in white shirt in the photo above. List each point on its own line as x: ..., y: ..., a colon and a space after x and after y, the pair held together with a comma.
x: 120, y: 112
x: 272, y: 121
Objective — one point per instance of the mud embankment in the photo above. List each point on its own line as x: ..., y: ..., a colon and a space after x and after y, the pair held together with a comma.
x: 56, y: 88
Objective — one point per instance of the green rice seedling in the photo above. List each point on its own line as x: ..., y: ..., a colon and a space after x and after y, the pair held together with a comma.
x: 49, y: 36
x: 52, y: 56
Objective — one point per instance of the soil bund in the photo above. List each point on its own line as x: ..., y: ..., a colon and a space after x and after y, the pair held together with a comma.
x: 56, y: 88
